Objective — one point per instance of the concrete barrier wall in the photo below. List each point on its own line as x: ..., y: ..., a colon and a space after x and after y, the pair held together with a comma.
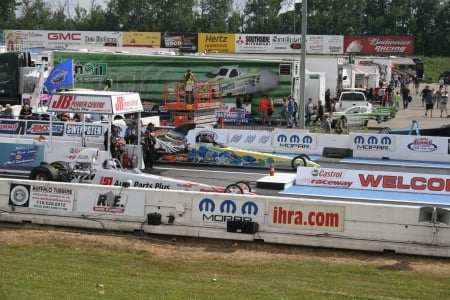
x: 337, y: 224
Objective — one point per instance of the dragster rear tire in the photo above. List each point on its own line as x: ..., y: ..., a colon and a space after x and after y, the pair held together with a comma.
x: 233, y: 189
x: 298, y: 161
x: 245, y: 186
x: 44, y: 172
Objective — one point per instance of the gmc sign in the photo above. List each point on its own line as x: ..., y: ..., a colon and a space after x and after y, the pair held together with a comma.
x: 59, y: 36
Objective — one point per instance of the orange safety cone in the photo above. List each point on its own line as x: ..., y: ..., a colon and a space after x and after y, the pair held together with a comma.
x: 272, y: 170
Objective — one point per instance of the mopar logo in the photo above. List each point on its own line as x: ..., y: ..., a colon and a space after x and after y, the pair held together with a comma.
x: 373, y: 140
x: 307, y: 139
x: 294, y: 139
x: 227, y: 210
x: 281, y: 138
x: 228, y: 206
x: 372, y: 143
x: 359, y: 140
x: 249, y: 208
x: 207, y: 205
x: 386, y: 140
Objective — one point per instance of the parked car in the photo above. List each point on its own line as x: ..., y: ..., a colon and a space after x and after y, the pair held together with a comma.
x: 360, y: 115
x: 349, y: 99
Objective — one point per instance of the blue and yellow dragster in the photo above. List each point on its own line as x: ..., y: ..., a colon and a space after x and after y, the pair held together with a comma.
x: 172, y: 146
x: 216, y: 153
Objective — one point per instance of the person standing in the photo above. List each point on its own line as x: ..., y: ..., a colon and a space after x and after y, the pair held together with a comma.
x: 438, y: 96
x: 327, y: 100
x: 340, y: 125
x: 416, y: 84
x: 131, y: 133
x: 149, y: 146
x: 189, y: 86
x: 294, y: 115
x: 332, y: 108
x: 290, y: 112
x: 443, y: 103
x: 26, y: 113
x: 423, y: 94
x: 397, y: 99
x: 370, y: 95
x: 270, y: 108
x: 262, y: 105
x: 309, y: 112
x: 7, y: 112
x: 320, y: 112
x: 116, y: 143
x: 380, y: 95
x: 238, y: 110
x: 326, y: 124
x: 429, y: 103
x: 405, y: 96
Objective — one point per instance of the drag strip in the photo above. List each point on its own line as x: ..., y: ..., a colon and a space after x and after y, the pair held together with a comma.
x: 419, y: 164
x: 358, y: 195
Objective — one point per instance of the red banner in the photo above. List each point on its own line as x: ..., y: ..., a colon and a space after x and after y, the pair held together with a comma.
x: 379, y: 45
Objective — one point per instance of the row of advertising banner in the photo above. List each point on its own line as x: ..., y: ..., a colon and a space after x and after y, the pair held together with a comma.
x: 211, y: 42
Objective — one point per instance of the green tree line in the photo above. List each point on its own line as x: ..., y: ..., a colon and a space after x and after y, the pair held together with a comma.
x: 426, y: 20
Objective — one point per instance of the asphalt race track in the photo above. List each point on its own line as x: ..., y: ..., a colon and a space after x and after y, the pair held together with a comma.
x: 226, y: 175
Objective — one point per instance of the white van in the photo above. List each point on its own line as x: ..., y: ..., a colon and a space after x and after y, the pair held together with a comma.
x: 351, y: 98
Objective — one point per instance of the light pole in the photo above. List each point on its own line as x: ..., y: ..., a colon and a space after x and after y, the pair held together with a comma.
x: 302, y: 100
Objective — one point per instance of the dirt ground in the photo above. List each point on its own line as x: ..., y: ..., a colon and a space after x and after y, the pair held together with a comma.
x: 248, y: 252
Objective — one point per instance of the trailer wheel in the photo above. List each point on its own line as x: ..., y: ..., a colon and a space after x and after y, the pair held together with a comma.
x: 386, y: 130
x: 298, y: 161
x: 233, y: 189
x: 44, y: 173
x: 63, y: 170
x: 245, y: 186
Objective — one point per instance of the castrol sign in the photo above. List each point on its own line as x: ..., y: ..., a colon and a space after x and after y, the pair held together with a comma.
x: 98, y: 102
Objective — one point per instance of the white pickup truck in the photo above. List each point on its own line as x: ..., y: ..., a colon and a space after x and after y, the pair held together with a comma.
x: 351, y: 98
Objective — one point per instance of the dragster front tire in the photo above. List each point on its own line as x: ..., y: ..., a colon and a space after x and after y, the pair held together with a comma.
x: 298, y: 161
x: 44, y: 172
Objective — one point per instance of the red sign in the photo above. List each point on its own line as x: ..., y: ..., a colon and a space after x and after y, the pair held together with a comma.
x: 60, y: 36
x: 381, y: 45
